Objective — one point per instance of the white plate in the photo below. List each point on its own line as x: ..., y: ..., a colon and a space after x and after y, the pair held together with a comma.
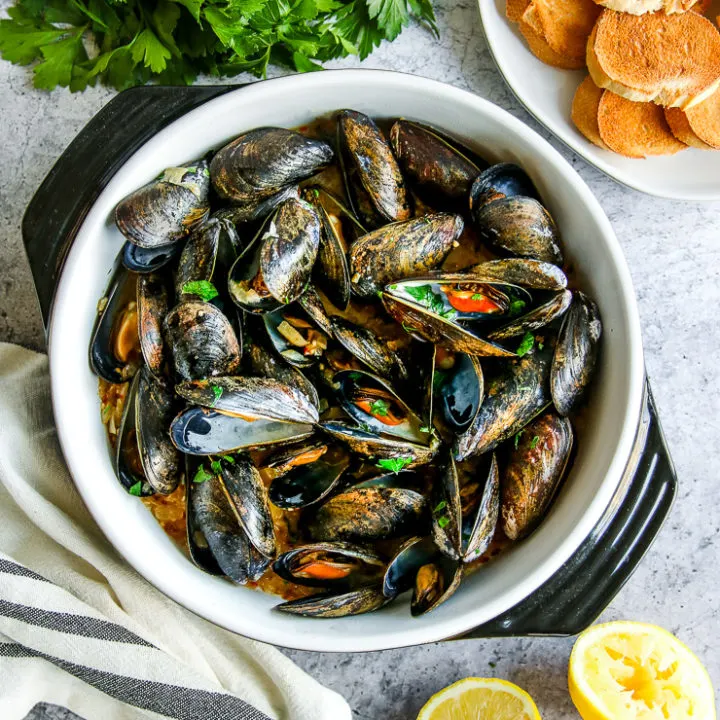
x: 547, y: 93
x: 591, y: 247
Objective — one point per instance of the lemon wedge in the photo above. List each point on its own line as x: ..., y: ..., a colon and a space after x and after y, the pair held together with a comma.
x: 636, y: 671
x: 474, y: 698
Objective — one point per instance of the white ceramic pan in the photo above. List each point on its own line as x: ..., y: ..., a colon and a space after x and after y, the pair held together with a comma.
x: 73, y: 211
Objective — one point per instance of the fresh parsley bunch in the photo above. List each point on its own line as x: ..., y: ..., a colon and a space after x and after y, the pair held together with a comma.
x: 75, y: 43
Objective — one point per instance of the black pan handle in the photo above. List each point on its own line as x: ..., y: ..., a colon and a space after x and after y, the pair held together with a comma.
x: 584, y: 586
x: 60, y: 205
x: 572, y: 598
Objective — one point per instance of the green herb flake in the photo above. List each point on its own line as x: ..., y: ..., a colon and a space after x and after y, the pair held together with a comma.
x: 477, y: 296
x: 394, y: 465
x: 217, y: 392
x: 408, y: 328
x: 440, y: 506
x: 136, y: 489
x: 355, y: 376
x: 516, y: 441
x: 202, y: 475
x: 425, y: 429
x: 443, y: 521
x: 534, y: 442
x: 228, y: 459
x: 516, y: 307
x: 380, y: 408
x: 540, y: 345
x: 526, y: 344
x: 204, y: 289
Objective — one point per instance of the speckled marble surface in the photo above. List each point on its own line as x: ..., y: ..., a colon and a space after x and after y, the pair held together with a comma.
x: 673, y: 249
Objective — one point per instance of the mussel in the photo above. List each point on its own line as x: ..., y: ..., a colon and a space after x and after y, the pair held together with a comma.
x: 533, y: 274
x: 260, y: 163
x: 500, y: 181
x: 459, y: 384
x: 402, y: 250
x: 153, y: 302
x: 435, y: 582
x: 145, y: 260
x: 296, y: 338
x: 533, y: 472
x: 167, y: 209
x: 331, y: 605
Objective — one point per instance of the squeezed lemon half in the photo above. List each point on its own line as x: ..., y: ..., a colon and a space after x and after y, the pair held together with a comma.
x: 474, y: 698
x: 636, y: 671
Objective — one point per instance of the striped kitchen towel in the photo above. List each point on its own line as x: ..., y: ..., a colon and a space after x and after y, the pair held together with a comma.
x: 80, y: 629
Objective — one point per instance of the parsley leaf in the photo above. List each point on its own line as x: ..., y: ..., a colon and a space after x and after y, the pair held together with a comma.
x: 202, y: 475
x: 427, y: 297
x: 443, y: 521
x: 204, y: 289
x: 534, y: 442
x: 228, y: 459
x: 440, y: 506
x: 516, y: 440
x: 516, y: 307
x: 526, y: 344
x: 136, y: 489
x: 216, y: 467
x: 394, y: 464
x: 380, y: 408
x: 217, y: 392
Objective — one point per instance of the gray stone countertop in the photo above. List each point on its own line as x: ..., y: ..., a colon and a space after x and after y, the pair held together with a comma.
x: 673, y: 250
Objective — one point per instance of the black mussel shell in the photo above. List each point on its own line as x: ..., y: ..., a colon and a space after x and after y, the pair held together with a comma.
x: 504, y: 180
x: 197, y: 543
x: 153, y: 301
x: 145, y: 260
x: 460, y: 391
x: 331, y: 605
x: 294, y: 337
x: 435, y: 582
x: 533, y: 274
x: 446, y: 529
x: 403, y: 567
x: 537, y: 318
x: 256, y: 210
x: 480, y: 522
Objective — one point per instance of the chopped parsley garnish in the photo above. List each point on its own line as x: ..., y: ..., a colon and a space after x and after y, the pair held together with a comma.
x: 228, y: 458
x: 534, y: 442
x: 394, y: 464
x: 204, y: 289
x: 217, y: 392
x: 443, y: 521
x: 408, y: 328
x: 477, y: 296
x: 516, y: 441
x: 540, y: 345
x: 216, y: 467
x: 516, y: 307
x: 136, y: 489
x: 425, y: 429
x: 526, y: 344
x: 433, y: 301
x: 380, y: 408
x: 440, y: 506
x: 202, y: 475
x: 355, y: 376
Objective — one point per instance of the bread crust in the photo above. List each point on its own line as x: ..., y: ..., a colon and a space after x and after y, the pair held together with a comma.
x: 640, y: 7
x: 584, y: 114
x: 680, y: 128
x: 647, y: 57
x: 542, y: 51
x: 514, y: 9
x: 635, y: 130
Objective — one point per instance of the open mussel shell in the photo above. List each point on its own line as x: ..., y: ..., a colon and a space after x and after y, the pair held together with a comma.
x: 167, y: 209
x: 214, y: 517
x: 294, y: 337
x: 403, y: 567
x: 249, y: 499
x: 503, y: 180
x: 261, y: 162
x: 575, y: 355
x: 153, y: 303
x: 202, y: 340
x: 198, y: 548
x: 331, y: 605
x: 434, y: 164
x: 145, y: 260
x: 513, y: 397
x: 328, y: 564
x: 284, y: 460
x: 372, y: 403
x: 460, y: 391
x: 532, y: 473
x: 532, y: 274
x: 480, y: 522
x: 257, y: 209
x: 367, y: 347
x: 127, y: 464
x: 154, y: 411
x: 537, y: 318
x: 309, y: 483
x: 439, y: 330
x: 381, y: 447
x: 402, y: 250
x: 197, y: 260
x: 446, y: 528
x: 368, y: 162
x: 519, y: 226
x: 331, y: 271
x: 311, y: 302
x: 275, y: 269
x: 435, y: 582
x: 369, y: 514
x: 249, y: 398
x: 200, y: 431
x: 112, y: 353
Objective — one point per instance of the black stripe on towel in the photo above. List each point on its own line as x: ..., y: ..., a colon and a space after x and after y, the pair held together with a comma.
x: 10, y: 568
x: 170, y: 700
x: 72, y: 624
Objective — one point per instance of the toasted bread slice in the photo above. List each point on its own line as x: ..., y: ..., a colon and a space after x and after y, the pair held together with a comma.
x: 680, y: 127
x: 565, y: 25
x: 585, y: 111
x: 672, y: 60
x: 635, y: 129
x: 514, y: 9
x: 640, y: 7
x: 703, y: 120
x: 542, y: 51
